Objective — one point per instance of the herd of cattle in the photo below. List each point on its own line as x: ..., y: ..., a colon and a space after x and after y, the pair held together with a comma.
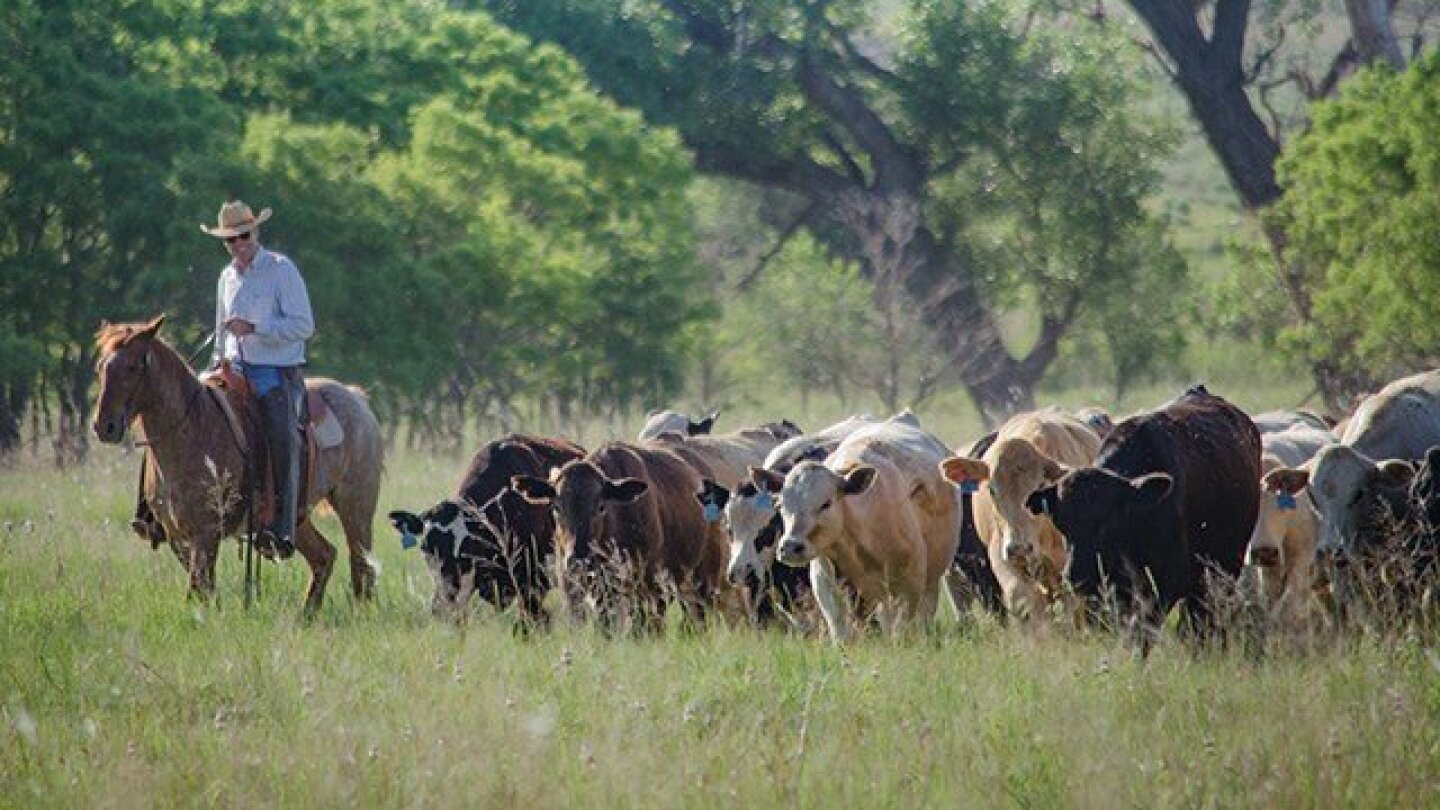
x: 1050, y: 514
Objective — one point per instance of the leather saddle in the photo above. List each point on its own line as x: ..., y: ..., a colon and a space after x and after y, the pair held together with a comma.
x: 236, y: 397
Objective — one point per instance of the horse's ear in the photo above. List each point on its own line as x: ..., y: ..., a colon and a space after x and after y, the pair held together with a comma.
x: 152, y: 327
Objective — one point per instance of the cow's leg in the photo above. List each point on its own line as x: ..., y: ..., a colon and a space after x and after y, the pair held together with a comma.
x: 826, y: 585
x: 320, y: 555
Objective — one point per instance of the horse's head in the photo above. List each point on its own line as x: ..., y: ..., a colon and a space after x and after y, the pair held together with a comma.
x: 122, y: 362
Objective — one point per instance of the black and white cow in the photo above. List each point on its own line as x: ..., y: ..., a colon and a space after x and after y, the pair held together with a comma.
x: 488, y: 539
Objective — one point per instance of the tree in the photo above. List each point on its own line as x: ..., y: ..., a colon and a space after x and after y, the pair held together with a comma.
x: 97, y: 154
x: 1360, y: 208
x: 472, y: 218
x: 789, y: 95
x: 1207, y: 49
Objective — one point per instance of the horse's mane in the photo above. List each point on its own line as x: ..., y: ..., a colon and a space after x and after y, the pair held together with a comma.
x: 112, y: 337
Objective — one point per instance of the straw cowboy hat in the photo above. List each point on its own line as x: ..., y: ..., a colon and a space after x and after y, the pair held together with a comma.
x: 234, y: 219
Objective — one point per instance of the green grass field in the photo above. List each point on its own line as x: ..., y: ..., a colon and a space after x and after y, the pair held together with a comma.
x: 117, y: 691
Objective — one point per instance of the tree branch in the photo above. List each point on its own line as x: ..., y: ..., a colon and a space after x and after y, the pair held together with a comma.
x: 774, y: 250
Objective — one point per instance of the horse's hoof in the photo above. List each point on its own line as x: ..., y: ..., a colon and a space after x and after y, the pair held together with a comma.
x: 149, y: 530
x: 272, y: 546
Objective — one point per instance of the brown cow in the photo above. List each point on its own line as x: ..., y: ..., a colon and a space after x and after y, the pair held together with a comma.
x: 627, y: 525
x: 1027, y: 552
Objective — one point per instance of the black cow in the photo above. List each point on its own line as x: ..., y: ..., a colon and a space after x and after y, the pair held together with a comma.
x: 972, y: 559
x: 488, y: 538
x: 1172, y: 495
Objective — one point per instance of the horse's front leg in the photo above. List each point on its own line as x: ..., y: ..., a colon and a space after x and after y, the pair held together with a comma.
x: 203, y: 552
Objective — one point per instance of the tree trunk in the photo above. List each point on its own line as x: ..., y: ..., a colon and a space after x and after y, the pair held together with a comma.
x: 1211, y: 75
x: 1373, y: 33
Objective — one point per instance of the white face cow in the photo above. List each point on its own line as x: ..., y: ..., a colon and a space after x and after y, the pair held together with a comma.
x: 809, y: 508
x: 751, y: 515
x: 1355, y: 497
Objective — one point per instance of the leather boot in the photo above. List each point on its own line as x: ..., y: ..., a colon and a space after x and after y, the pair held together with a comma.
x: 278, y: 415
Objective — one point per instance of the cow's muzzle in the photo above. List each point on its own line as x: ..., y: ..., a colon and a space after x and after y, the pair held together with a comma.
x: 794, y: 552
x: 1265, y: 557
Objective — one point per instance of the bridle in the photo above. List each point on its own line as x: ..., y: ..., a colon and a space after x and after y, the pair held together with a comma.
x: 126, y: 410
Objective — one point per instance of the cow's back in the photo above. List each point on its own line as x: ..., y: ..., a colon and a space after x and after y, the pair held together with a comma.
x: 665, y: 528
x: 908, y: 461
x: 1402, y: 420
x: 1211, y: 450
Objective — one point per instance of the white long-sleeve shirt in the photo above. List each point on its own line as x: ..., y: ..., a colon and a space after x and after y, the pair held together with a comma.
x: 271, y: 295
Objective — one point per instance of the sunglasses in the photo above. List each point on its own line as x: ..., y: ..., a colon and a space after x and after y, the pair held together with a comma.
x: 230, y: 240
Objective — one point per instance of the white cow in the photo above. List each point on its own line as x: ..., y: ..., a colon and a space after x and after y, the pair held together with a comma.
x: 750, y: 510
x: 876, y: 519
x: 1353, y: 481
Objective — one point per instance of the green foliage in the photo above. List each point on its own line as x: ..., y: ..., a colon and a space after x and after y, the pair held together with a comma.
x: 469, y: 215
x: 1056, y: 160
x: 1037, y: 160
x: 1360, y: 210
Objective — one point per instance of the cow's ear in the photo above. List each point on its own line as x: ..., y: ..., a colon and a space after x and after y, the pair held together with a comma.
x: 445, y: 512
x: 1394, y: 473
x: 712, y: 493
x: 766, y: 480
x: 704, y: 426
x: 1151, y: 489
x: 1042, y: 501
x: 625, y: 490
x: 405, y: 522
x: 1286, y: 479
x: 858, y: 480
x: 959, y: 469
x: 535, y: 490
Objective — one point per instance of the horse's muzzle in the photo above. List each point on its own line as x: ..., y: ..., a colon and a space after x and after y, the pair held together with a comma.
x: 110, y: 429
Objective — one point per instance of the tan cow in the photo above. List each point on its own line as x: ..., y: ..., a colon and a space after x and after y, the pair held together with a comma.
x: 728, y: 456
x: 876, y: 519
x: 1027, y: 552
x: 1282, y: 546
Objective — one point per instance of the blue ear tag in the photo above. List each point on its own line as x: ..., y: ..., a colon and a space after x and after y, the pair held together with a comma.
x: 1285, y: 501
x: 764, y: 500
x: 969, y: 486
x: 407, y: 540
x: 712, y: 512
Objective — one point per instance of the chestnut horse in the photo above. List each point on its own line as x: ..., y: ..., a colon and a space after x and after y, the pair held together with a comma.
x: 196, y: 457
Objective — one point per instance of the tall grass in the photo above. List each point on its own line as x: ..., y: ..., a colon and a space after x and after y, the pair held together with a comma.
x: 115, y: 690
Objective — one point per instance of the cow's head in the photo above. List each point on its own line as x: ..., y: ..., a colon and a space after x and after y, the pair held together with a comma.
x: 752, y: 519
x: 658, y: 422
x: 809, y: 508
x: 1016, y: 469
x: 123, y: 362
x: 1283, y: 515
x: 1100, y: 513
x: 1361, y: 503
x: 579, y: 495
x: 465, y: 552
